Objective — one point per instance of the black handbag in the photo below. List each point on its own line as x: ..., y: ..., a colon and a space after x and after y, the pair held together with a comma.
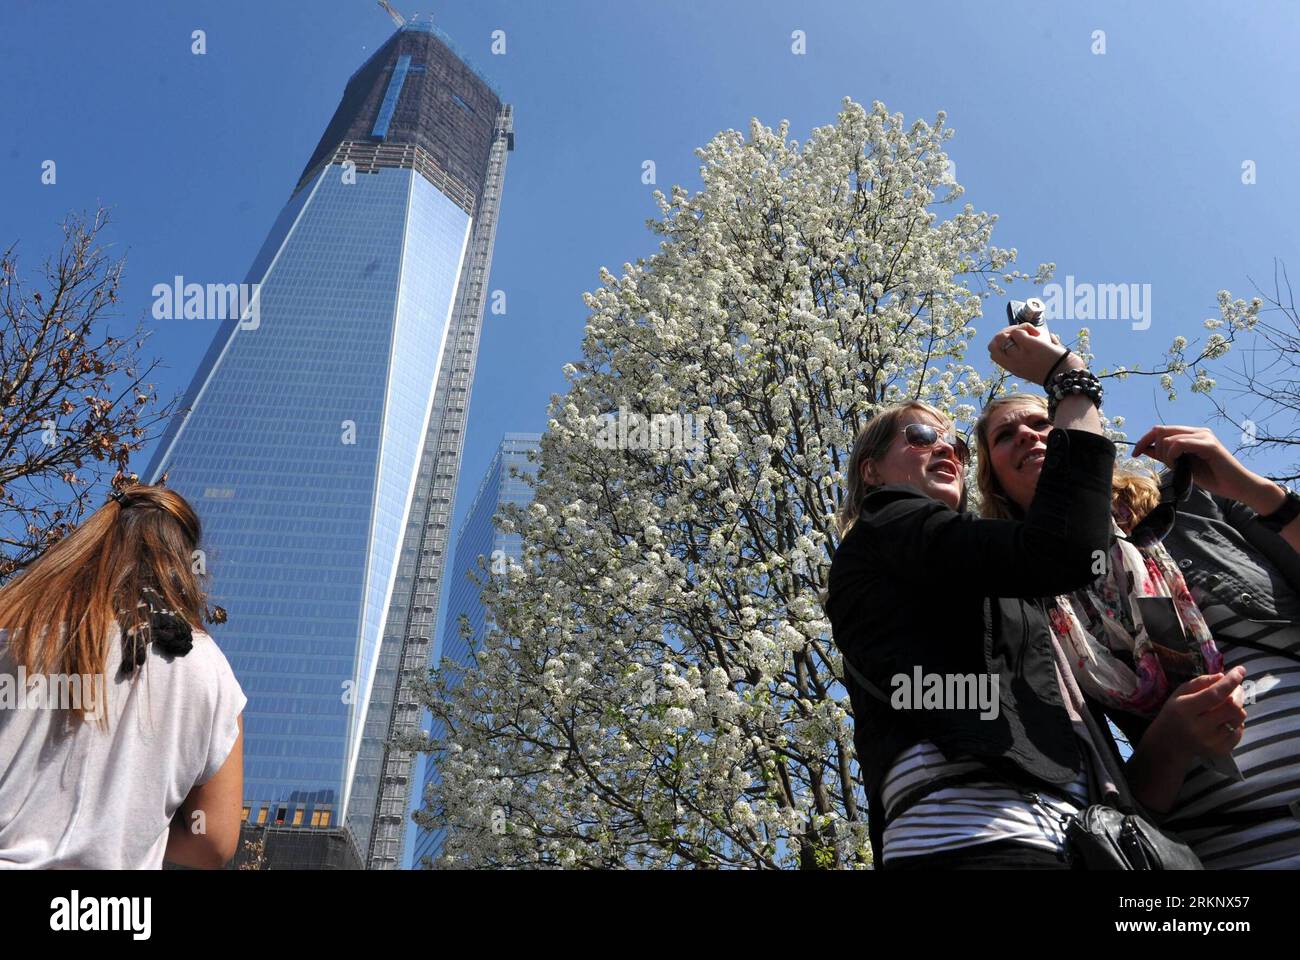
x: 1108, y: 838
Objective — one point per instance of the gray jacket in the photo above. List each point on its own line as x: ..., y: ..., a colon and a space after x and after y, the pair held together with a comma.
x: 1224, y: 551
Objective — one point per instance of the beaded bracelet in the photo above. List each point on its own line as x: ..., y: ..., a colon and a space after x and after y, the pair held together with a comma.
x: 1071, y: 383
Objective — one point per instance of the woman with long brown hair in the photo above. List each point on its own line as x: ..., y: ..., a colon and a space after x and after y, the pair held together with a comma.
x: 121, y: 727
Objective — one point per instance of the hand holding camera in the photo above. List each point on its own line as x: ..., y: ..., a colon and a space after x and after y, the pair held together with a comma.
x: 1026, y: 348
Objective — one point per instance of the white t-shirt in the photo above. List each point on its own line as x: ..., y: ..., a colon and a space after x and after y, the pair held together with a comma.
x: 103, y: 799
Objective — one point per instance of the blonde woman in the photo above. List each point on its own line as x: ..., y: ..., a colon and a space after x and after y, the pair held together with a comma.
x: 127, y: 746
x: 920, y: 589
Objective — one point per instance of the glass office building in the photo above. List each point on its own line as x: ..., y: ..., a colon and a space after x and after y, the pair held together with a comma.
x: 323, y: 437
x: 478, y: 537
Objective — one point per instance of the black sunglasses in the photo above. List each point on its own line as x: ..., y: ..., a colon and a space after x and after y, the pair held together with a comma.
x: 925, y: 436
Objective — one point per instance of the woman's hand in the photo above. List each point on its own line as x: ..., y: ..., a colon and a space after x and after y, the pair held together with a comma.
x: 1028, y: 352
x: 1202, y: 718
x: 1213, y: 467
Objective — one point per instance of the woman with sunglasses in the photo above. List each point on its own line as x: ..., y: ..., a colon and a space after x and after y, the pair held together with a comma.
x: 1222, y: 558
x: 920, y: 590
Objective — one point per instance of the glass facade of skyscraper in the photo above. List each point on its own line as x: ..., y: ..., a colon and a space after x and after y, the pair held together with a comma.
x: 300, y: 453
x: 325, y: 426
x: 478, y: 537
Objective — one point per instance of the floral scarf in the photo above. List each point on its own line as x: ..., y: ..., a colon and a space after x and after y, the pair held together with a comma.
x: 1103, y: 632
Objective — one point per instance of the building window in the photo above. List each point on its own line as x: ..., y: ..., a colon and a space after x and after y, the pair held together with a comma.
x: 261, y: 816
x: 297, y: 817
x: 244, y: 817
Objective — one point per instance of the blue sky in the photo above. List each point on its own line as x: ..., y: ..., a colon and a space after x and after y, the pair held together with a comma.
x: 1122, y: 168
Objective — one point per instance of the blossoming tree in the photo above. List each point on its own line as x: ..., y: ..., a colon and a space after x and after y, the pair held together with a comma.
x: 660, y: 687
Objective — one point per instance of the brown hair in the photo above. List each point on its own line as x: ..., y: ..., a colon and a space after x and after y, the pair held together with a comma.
x: 1135, y: 492
x: 873, y: 443
x: 59, y: 612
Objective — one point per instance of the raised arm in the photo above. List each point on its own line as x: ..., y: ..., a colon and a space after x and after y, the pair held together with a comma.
x: 1218, y: 471
x: 1062, y: 542
x: 1055, y: 549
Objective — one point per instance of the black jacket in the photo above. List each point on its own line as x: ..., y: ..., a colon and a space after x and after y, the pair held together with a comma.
x: 909, y: 586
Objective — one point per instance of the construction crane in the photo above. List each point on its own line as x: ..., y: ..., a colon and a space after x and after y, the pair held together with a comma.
x: 397, y: 17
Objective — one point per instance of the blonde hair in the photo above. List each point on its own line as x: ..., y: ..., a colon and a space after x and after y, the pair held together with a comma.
x: 59, y: 612
x: 994, y: 501
x: 1132, y: 492
x: 872, y: 443
x: 1134, y: 495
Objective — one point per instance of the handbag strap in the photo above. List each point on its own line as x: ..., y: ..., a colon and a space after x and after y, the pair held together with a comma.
x: 862, y: 681
x: 985, y: 775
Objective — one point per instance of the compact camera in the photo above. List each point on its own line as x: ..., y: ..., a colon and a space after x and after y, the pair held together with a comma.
x: 1026, y: 311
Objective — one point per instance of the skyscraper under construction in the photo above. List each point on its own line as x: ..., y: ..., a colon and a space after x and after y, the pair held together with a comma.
x: 323, y: 439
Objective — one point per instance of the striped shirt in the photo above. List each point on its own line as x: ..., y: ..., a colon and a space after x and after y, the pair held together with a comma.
x: 1268, y: 754
x: 971, y: 813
